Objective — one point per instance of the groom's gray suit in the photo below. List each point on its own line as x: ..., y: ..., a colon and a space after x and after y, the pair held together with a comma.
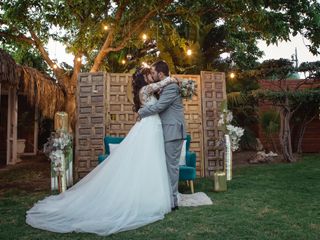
x: 170, y: 109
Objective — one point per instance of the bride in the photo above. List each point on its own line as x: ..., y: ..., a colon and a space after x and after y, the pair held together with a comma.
x: 128, y: 190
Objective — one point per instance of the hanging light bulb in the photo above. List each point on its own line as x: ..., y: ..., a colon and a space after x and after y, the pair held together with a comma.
x: 189, y: 52
x: 79, y: 59
x: 129, y: 57
x: 145, y: 65
x: 55, y: 66
x: 144, y: 37
x: 232, y: 75
x: 105, y: 27
x: 123, y: 61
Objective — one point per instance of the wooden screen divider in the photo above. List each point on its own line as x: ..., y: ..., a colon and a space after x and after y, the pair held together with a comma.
x: 103, y: 108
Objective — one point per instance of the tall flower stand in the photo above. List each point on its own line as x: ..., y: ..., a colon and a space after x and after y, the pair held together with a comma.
x: 228, y: 157
x: 62, y: 161
x: 60, y: 180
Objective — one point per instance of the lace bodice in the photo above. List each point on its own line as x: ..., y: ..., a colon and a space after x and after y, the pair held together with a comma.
x: 147, y: 92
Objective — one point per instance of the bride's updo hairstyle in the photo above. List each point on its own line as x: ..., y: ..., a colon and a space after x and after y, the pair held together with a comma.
x: 138, y: 81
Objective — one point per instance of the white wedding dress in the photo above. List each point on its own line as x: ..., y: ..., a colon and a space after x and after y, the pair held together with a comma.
x: 128, y: 190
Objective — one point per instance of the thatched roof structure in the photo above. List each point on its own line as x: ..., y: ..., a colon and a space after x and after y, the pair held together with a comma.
x: 8, y: 69
x: 39, y: 88
x: 42, y: 90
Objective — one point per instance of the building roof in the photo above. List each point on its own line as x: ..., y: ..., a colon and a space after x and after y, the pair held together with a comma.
x: 39, y: 87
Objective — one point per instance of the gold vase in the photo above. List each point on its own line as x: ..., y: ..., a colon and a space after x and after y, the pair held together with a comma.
x: 220, y: 181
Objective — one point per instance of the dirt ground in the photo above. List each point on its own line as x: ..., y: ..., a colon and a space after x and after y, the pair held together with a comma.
x: 31, y: 174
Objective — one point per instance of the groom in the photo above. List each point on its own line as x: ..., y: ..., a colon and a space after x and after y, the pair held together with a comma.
x: 170, y: 109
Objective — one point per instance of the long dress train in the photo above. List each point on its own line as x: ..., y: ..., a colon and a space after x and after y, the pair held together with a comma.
x: 128, y: 190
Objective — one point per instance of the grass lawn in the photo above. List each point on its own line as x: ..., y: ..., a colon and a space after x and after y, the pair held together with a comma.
x: 275, y: 201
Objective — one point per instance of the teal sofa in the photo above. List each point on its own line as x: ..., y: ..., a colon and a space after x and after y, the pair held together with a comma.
x: 186, y: 172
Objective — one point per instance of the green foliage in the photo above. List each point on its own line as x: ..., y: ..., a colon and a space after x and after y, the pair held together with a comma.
x: 27, y: 56
x: 304, y: 96
x: 275, y: 69
x: 209, y: 28
x: 270, y: 122
x: 312, y: 68
x: 248, y: 141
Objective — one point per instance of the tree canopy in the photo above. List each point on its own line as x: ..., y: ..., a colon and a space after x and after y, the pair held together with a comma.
x: 100, y: 34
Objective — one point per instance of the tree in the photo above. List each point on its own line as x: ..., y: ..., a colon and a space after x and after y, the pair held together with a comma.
x: 211, y: 28
x: 288, y: 98
x: 101, y: 31
x: 307, y: 112
x: 81, y: 26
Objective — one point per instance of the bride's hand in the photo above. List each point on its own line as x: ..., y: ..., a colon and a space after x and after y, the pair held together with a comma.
x: 175, y: 80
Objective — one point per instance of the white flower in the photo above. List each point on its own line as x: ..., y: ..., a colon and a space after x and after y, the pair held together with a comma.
x: 220, y: 122
x: 234, y: 132
x: 229, y: 116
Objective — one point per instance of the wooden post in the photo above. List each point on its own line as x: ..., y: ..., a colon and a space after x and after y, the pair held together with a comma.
x: 12, y: 126
x: 36, y: 129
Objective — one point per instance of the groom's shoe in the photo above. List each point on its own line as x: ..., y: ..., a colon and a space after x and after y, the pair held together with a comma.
x: 175, y: 208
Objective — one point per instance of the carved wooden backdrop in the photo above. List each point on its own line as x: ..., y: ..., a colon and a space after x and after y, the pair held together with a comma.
x: 213, y: 94
x: 104, y: 109
x: 90, y: 128
x: 120, y: 116
x: 193, y: 117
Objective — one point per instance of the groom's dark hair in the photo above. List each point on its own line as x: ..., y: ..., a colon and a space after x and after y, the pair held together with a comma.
x: 161, y: 66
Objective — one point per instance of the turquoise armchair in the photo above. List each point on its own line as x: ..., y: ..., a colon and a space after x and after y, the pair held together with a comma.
x: 106, y: 141
x: 186, y: 172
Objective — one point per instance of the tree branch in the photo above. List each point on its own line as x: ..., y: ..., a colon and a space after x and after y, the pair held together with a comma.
x: 19, y: 38
x: 104, y: 50
x: 60, y: 73
x: 136, y: 29
x: 76, y: 69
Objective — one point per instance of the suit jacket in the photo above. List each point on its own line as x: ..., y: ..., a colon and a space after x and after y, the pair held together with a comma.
x: 170, y: 109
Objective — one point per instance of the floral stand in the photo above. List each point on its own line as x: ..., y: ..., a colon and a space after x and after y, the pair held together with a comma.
x: 60, y: 152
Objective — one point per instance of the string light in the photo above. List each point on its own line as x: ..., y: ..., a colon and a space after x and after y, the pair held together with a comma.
x: 232, y: 75
x: 129, y: 56
x: 123, y: 61
x: 144, y: 37
x: 145, y: 65
x: 55, y: 66
x: 79, y: 59
x: 189, y: 52
x: 105, y: 27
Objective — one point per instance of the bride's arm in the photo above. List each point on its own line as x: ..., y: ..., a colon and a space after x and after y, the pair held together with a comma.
x: 154, y: 87
x: 148, y: 90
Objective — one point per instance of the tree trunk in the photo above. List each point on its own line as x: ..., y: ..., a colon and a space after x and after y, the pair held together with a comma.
x: 285, y: 134
x: 302, y: 131
x: 70, y: 108
x: 300, y: 138
x: 274, y: 145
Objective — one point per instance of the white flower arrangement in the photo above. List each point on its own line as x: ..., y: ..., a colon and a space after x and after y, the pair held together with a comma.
x: 56, y: 147
x: 188, y: 88
x: 234, y: 132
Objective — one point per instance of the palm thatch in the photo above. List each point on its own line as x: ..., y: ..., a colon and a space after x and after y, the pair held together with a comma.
x: 8, y: 70
x: 42, y: 90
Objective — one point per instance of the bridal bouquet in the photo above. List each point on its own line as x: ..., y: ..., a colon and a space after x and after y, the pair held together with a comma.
x: 188, y: 88
x: 56, y: 148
